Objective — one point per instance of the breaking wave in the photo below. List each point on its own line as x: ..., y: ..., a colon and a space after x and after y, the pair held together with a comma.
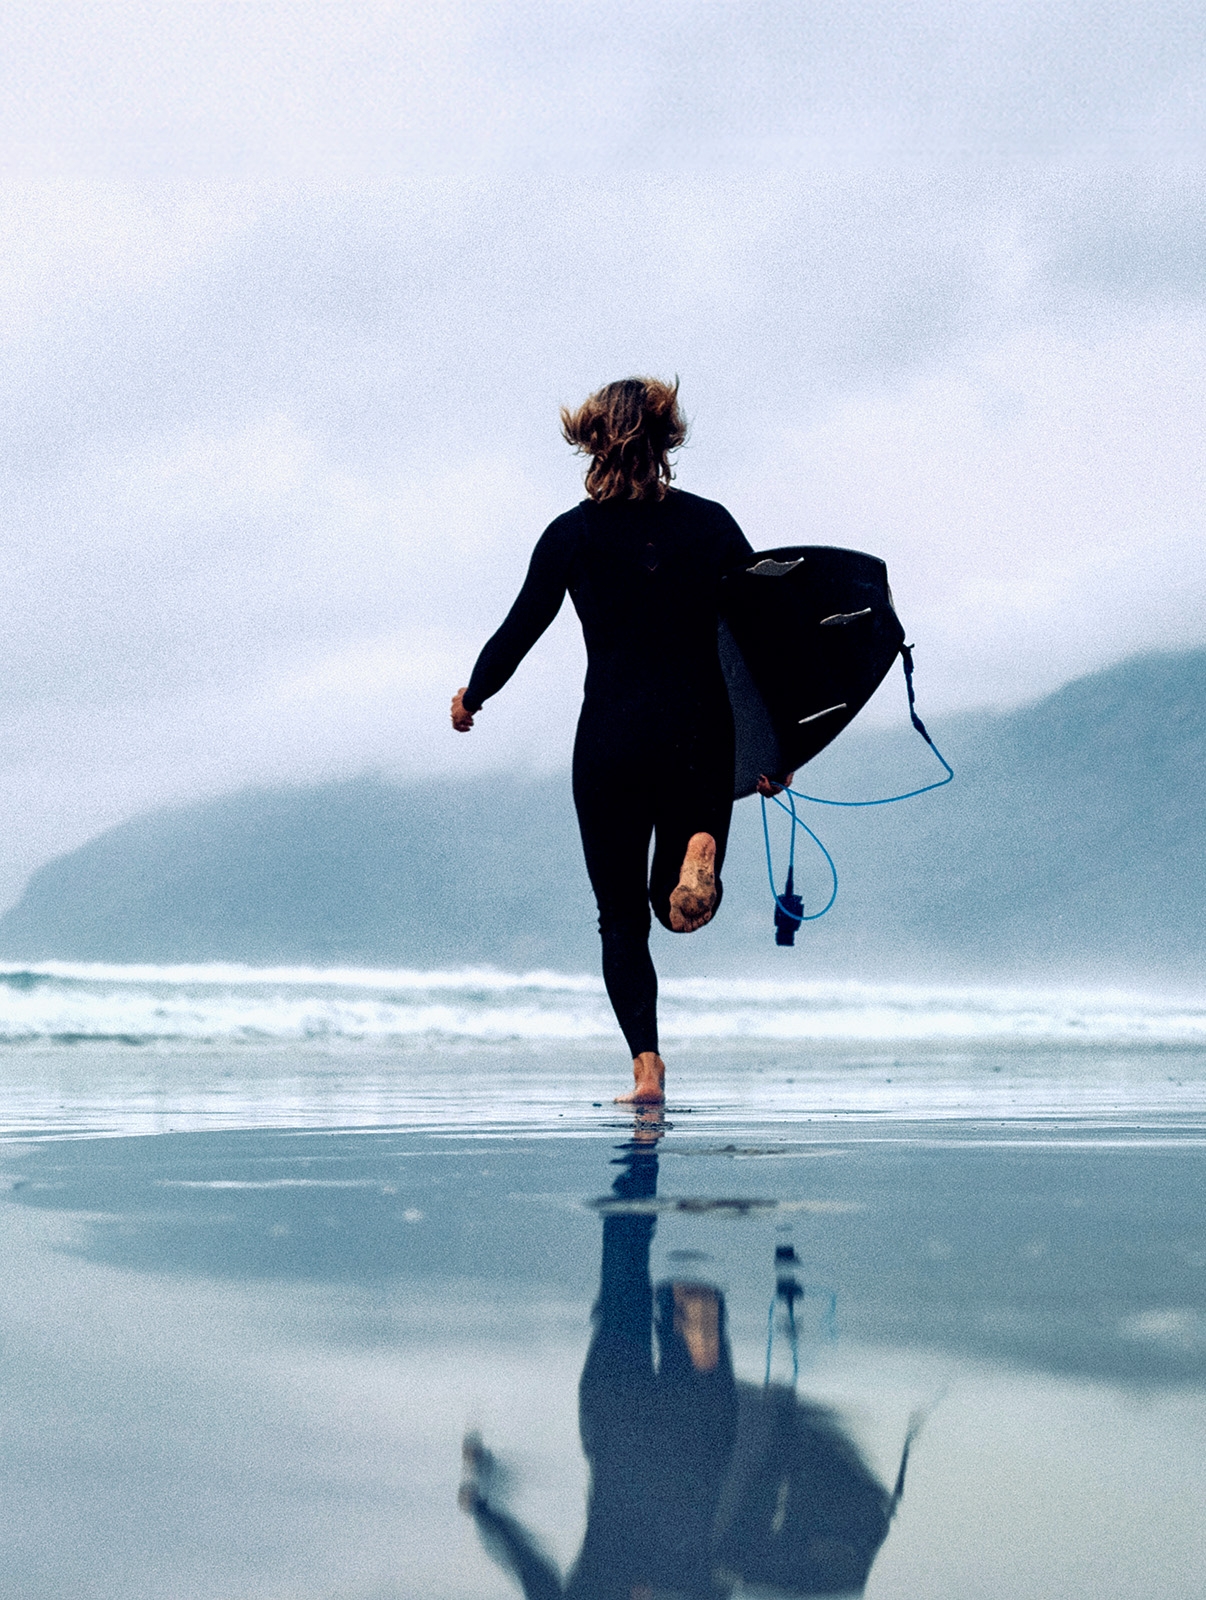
x: 227, y: 1003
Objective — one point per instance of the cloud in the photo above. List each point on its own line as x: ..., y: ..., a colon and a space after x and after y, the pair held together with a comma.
x: 1039, y: 502
x: 292, y: 295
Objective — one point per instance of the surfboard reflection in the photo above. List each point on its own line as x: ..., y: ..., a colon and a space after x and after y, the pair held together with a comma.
x: 700, y: 1485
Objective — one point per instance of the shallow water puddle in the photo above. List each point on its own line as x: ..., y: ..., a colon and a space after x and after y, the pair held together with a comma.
x: 267, y: 1363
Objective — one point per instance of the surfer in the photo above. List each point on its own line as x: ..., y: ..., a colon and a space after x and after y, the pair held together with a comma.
x: 653, y: 756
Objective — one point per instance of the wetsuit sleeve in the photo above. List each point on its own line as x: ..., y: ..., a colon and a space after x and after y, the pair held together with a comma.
x: 535, y: 607
x: 513, y: 1547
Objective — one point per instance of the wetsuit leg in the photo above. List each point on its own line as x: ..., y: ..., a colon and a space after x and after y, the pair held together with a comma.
x: 618, y: 1371
x: 630, y: 781
x: 615, y: 816
x: 615, y: 1412
x: 694, y: 795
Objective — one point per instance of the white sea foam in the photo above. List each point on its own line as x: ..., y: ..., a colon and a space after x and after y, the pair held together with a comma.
x: 227, y: 1003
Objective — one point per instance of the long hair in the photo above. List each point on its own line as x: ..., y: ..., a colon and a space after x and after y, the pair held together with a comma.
x: 628, y: 429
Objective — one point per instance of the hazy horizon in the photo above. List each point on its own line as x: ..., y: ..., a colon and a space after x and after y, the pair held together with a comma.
x: 1068, y: 848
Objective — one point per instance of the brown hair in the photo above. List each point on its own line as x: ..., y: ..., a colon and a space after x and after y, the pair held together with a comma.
x: 628, y: 429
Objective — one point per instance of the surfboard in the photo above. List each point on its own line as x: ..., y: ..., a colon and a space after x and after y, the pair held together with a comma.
x: 807, y: 635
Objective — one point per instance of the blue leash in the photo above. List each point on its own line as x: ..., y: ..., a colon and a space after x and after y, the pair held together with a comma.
x: 827, y: 1326
x: 789, y: 908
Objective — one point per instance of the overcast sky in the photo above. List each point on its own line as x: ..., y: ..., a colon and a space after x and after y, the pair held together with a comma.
x: 291, y: 295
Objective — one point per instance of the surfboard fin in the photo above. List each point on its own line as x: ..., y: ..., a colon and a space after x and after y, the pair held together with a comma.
x: 788, y: 910
x: 774, y: 569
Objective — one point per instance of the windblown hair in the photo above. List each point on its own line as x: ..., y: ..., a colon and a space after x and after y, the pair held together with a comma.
x: 628, y: 429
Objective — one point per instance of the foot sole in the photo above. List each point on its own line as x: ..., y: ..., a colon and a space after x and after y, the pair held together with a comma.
x: 694, y: 900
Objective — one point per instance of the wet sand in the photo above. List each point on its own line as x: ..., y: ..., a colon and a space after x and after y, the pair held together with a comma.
x: 241, y: 1359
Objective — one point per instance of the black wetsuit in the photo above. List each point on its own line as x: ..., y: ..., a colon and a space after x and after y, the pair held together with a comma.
x: 654, y: 750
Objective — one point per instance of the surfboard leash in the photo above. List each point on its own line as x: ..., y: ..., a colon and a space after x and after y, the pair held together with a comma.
x: 789, y: 907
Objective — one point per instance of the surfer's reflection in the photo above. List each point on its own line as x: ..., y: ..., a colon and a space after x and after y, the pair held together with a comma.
x: 697, y: 1484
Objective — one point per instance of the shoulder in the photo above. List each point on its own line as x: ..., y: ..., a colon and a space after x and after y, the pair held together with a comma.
x: 694, y: 504
x: 709, y: 517
x: 706, y: 513
x: 569, y: 527
x: 561, y: 538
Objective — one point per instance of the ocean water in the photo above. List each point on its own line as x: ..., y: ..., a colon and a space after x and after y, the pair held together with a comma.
x: 142, y: 1049
x: 356, y: 1286
x: 225, y: 1003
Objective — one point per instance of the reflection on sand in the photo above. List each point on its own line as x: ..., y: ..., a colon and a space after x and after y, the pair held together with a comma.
x: 699, y: 1484
x: 243, y: 1363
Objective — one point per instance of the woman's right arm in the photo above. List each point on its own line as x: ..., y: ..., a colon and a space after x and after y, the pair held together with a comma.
x: 737, y: 551
x: 537, y: 603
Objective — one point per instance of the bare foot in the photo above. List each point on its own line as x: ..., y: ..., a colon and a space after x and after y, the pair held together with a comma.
x: 697, y: 1319
x: 649, y: 1082
x: 693, y: 902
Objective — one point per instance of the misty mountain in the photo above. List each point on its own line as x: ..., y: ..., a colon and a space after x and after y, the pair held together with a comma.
x: 1071, y: 844
x: 360, y: 870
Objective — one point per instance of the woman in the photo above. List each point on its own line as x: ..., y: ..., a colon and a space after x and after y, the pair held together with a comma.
x: 653, y: 755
